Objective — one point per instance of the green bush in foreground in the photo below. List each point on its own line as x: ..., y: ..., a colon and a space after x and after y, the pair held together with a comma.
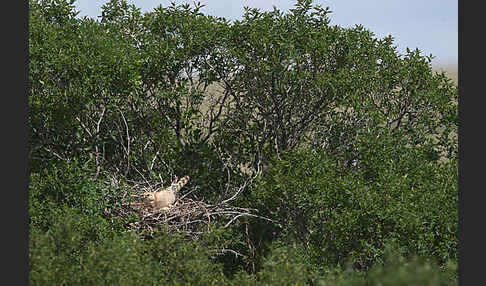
x: 335, y: 215
x: 284, y: 266
x: 72, y: 241
x: 396, y: 270
x: 65, y: 255
x: 72, y: 185
x: 57, y: 257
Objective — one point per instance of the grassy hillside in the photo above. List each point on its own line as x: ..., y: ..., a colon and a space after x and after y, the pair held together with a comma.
x: 450, y: 69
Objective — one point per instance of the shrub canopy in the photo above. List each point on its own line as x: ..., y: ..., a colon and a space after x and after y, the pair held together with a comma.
x: 341, y: 143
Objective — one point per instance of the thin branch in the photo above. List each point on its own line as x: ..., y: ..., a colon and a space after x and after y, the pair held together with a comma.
x: 153, y: 160
x: 128, y: 142
x: 240, y: 189
x: 54, y: 153
x: 98, y: 165
x: 84, y: 127
x: 225, y: 250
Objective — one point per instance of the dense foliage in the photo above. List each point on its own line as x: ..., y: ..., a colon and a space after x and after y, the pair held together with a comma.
x: 347, y: 148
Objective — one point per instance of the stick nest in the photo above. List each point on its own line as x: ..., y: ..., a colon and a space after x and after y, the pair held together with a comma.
x: 188, y: 216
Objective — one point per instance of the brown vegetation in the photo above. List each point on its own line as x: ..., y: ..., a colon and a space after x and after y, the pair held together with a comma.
x: 451, y: 70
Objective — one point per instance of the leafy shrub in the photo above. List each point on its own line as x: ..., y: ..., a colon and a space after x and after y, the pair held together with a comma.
x: 55, y: 253
x: 72, y: 185
x: 417, y: 271
x: 287, y: 266
x: 284, y: 266
x: 113, y: 91
x: 335, y: 215
x: 66, y: 255
x: 134, y: 90
x: 327, y: 87
x: 358, y: 145
x: 185, y: 262
x: 395, y: 270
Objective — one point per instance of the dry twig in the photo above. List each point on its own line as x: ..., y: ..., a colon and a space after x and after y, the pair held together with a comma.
x: 188, y: 216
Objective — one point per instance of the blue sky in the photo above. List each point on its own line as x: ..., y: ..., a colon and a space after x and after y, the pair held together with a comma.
x: 429, y: 25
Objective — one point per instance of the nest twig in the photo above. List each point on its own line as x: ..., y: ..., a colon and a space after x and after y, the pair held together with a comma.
x: 187, y: 216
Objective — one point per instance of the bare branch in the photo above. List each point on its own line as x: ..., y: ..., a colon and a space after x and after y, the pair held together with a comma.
x: 128, y: 142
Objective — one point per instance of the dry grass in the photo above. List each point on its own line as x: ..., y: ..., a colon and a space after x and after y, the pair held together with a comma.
x: 451, y: 70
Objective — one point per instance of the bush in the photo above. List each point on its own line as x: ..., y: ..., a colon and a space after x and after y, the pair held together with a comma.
x: 352, y: 145
x: 396, y: 270
x: 327, y: 87
x: 72, y: 185
x: 66, y: 255
x: 55, y: 255
x: 134, y: 90
x: 336, y: 214
x: 106, y: 91
x: 285, y: 266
